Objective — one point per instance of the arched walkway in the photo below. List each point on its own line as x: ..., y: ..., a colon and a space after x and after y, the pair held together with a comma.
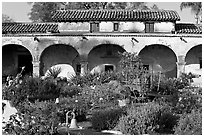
x: 58, y: 54
x: 193, y: 60
x: 104, y: 57
x: 14, y: 57
x: 159, y: 58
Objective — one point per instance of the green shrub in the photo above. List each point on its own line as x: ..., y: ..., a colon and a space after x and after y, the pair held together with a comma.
x: 94, y: 79
x: 166, y: 123
x: 68, y: 104
x: 32, y: 88
x: 190, y: 124
x: 70, y: 90
x: 166, y: 86
x: 39, y: 118
x: 189, y: 99
x: 100, y: 96
x: 145, y: 119
x: 106, y: 119
x: 169, y: 86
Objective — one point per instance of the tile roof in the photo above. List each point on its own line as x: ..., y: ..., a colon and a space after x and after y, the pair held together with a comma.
x: 183, y: 28
x: 29, y: 27
x: 114, y: 15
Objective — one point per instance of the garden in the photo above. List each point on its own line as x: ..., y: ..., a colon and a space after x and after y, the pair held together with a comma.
x: 130, y: 101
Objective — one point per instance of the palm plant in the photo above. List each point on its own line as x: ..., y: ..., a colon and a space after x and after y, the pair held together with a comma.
x: 54, y: 72
x: 196, y: 8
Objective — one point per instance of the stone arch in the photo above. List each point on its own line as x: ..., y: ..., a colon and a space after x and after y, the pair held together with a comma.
x: 14, y: 57
x: 159, y: 58
x: 104, y: 54
x: 193, y: 60
x: 58, y: 54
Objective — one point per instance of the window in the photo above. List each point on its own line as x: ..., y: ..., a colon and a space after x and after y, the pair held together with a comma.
x: 108, y: 68
x: 94, y: 27
x: 200, y: 62
x: 149, y: 27
x: 115, y: 26
x: 78, y: 69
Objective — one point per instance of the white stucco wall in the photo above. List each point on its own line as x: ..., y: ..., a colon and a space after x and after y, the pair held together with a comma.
x: 106, y: 26
x: 163, y: 27
x: 131, y: 26
x: 123, y: 26
x: 74, y: 26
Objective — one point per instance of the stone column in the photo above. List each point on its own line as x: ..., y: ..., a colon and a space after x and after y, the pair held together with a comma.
x: 84, y: 67
x: 180, y: 65
x: 36, y: 68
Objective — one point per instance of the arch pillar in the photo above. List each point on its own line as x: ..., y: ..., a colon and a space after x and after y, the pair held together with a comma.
x: 180, y: 65
x: 84, y: 67
x: 36, y: 68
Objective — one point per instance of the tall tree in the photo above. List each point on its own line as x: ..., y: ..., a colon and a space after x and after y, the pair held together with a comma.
x: 6, y: 18
x: 196, y: 8
x: 42, y: 11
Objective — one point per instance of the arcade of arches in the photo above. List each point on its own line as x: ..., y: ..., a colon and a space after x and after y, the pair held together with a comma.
x: 103, y: 57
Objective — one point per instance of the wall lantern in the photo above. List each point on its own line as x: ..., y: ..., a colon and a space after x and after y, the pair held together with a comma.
x: 133, y: 39
x: 182, y: 39
x: 36, y: 39
x: 84, y: 38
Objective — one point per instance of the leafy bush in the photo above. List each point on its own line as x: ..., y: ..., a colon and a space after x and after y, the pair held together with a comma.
x: 106, y: 119
x: 32, y: 88
x: 69, y: 104
x: 190, y: 124
x: 39, y: 118
x: 93, y: 79
x: 166, y: 123
x: 189, y: 99
x: 145, y: 119
x: 166, y: 86
x: 100, y: 96
x: 70, y: 90
x: 131, y: 67
x: 169, y: 86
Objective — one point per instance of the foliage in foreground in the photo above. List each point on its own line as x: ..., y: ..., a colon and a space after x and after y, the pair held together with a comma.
x: 106, y: 119
x: 32, y: 89
x: 147, y: 119
x: 39, y: 118
x: 190, y: 124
